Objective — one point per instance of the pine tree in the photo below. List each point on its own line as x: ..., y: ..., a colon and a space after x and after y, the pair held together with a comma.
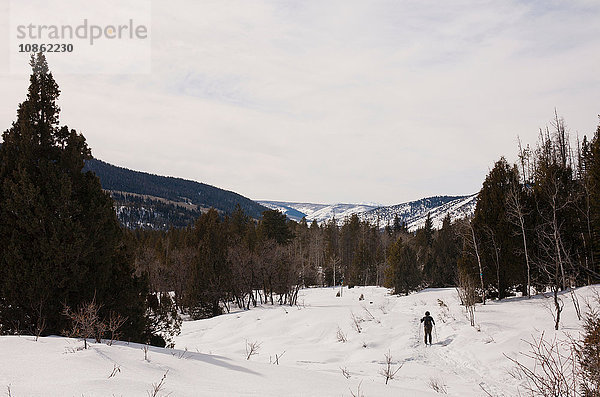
x: 350, y: 237
x: 61, y: 241
x: 403, y: 274
x: 274, y: 226
x: 445, y: 256
x: 499, y: 236
x: 210, y: 276
x: 593, y: 172
x: 397, y: 224
x: 428, y: 230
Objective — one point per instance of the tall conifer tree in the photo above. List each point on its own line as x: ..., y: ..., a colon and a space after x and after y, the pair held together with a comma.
x: 61, y: 241
x: 594, y: 182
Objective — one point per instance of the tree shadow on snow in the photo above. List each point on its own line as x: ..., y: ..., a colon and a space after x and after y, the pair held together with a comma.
x: 188, y: 355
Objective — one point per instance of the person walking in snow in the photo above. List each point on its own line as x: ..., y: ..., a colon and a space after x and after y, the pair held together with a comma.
x: 428, y: 325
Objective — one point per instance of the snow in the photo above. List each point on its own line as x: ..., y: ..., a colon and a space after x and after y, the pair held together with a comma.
x: 319, y: 212
x: 413, y: 213
x: 457, y: 209
x: 304, y: 338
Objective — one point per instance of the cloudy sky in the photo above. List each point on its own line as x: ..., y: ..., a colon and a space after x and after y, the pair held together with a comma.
x: 332, y: 101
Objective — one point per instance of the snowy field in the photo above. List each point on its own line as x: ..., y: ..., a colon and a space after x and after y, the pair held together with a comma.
x: 210, y: 355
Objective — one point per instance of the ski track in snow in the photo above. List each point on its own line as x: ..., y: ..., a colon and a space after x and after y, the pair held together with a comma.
x: 465, y: 359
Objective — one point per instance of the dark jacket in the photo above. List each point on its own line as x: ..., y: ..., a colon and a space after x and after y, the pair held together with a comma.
x: 429, y: 322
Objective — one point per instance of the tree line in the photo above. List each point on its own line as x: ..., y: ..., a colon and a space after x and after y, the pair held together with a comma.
x: 221, y: 261
x: 535, y: 228
x: 121, y: 179
x: 536, y: 225
x: 62, y: 248
x: 137, y: 211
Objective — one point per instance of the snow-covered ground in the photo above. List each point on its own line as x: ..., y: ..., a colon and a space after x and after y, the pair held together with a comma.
x: 210, y: 359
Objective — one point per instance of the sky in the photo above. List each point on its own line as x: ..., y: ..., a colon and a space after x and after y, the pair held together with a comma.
x: 323, y: 101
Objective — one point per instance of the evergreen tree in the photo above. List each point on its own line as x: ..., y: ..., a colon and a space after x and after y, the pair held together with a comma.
x: 593, y: 173
x: 397, y: 225
x: 61, y: 241
x: 499, y: 235
x: 428, y: 230
x: 211, y: 277
x: 274, y: 226
x: 445, y: 256
x: 240, y: 224
x: 331, y: 236
x: 350, y: 237
x: 403, y: 272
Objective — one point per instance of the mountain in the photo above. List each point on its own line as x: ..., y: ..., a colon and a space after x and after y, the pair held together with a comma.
x: 318, y: 212
x: 413, y: 213
x: 159, y: 202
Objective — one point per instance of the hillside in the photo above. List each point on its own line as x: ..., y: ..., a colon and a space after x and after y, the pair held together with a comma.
x: 159, y: 202
x: 413, y: 213
x: 210, y: 359
x: 319, y: 212
x: 154, y: 201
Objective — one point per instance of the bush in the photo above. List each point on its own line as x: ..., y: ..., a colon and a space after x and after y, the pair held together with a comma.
x: 588, y: 351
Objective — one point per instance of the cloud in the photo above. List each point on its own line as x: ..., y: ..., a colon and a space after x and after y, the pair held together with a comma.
x: 339, y: 101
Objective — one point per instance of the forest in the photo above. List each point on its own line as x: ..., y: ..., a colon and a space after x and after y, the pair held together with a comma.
x: 119, y: 179
x: 536, y: 228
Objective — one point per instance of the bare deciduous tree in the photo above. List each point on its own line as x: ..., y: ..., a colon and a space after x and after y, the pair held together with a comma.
x: 358, y: 391
x: 277, y: 357
x: 467, y: 294
x: 116, y: 370
x: 146, y: 349
x: 569, y: 367
x: 388, y: 371
x: 438, y: 385
x: 158, y: 388
x: 356, y: 323
x: 516, y: 213
x: 115, y: 322
x: 40, y: 324
x: 252, y: 349
x: 556, y: 196
x: 341, y: 336
x: 468, y: 235
x: 345, y: 372
x: 370, y: 315
x: 554, y: 255
x: 496, y: 248
x: 85, y: 321
x: 553, y: 370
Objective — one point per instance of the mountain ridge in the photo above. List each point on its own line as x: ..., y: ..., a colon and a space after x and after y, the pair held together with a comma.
x: 413, y: 213
x: 153, y: 201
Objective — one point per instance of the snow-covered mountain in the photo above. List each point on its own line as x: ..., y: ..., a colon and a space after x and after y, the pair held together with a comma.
x: 413, y: 213
x: 319, y: 212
